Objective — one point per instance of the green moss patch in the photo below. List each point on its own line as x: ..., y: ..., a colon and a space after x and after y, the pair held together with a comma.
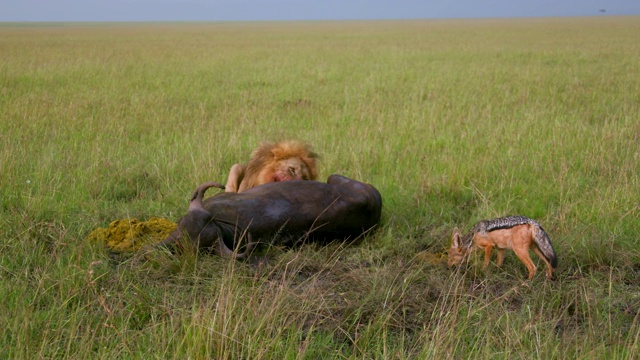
x: 128, y: 235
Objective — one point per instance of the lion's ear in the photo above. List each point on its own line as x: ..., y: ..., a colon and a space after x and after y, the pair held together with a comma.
x: 278, y: 153
x: 264, y: 151
x: 311, y: 164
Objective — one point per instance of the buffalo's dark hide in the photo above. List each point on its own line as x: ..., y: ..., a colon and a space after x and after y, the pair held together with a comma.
x: 297, y: 210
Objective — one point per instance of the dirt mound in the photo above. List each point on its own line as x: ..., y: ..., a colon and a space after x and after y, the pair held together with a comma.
x: 128, y: 235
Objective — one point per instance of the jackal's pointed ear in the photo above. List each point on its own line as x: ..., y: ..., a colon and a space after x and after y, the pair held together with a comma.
x: 455, y: 238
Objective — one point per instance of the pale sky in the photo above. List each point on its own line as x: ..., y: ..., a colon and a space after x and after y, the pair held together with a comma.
x: 248, y: 10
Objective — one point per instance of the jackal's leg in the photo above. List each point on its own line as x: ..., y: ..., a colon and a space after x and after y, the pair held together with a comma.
x: 487, y: 256
x: 547, y: 263
x: 500, y: 257
x: 523, y: 255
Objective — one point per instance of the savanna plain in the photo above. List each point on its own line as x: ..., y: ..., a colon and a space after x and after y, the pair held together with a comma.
x: 453, y: 121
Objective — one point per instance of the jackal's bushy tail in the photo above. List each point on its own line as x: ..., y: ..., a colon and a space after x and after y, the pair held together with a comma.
x: 544, y: 244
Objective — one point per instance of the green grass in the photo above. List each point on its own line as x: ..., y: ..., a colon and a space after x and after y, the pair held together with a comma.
x: 453, y: 121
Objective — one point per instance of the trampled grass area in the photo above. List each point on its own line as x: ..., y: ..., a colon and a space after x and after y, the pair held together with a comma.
x: 453, y: 121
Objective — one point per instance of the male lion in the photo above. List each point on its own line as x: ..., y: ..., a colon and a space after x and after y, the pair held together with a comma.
x: 282, y: 161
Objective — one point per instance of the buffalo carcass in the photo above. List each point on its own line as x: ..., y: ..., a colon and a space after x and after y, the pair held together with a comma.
x: 341, y: 208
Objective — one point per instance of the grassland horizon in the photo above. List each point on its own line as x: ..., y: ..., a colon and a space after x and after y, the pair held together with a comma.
x: 453, y: 121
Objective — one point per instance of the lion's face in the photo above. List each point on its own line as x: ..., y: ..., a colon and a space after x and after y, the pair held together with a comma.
x: 282, y: 161
x: 292, y: 168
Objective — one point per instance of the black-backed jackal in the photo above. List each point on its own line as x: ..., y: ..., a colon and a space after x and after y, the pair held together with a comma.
x: 518, y: 233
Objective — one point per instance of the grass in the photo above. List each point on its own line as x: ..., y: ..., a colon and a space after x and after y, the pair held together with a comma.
x: 453, y: 121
